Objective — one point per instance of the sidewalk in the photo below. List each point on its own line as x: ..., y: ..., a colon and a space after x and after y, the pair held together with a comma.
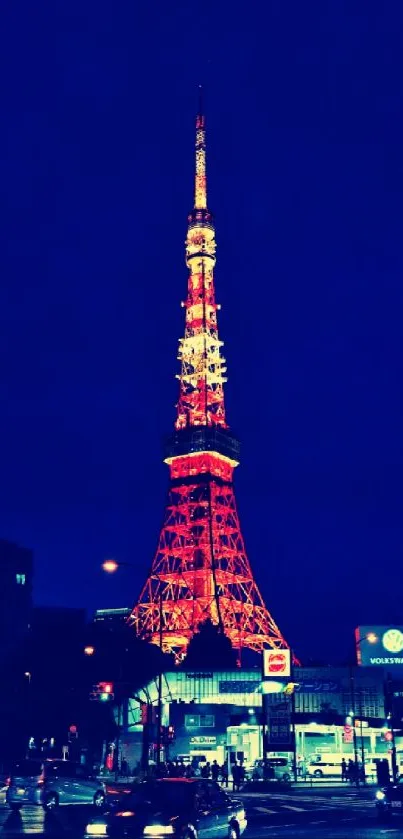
x: 321, y: 782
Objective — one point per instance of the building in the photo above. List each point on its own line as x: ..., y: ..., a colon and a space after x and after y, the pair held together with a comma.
x: 59, y: 622
x: 16, y: 573
x: 110, y: 619
x: 57, y: 640
x: 224, y: 715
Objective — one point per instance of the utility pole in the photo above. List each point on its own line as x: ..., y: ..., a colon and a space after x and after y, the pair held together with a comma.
x: 392, y: 730
x: 294, y: 734
x: 146, y: 737
x: 159, y: 707
x: 294, y: 737
x: 352, y: 691
x: 364, y: 780
x: 117, y: 742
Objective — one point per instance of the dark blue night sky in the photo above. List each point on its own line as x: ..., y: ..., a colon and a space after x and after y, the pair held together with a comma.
x: 304, y: 106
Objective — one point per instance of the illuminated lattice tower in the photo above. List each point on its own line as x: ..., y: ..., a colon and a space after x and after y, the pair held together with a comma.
x: 200, y: 570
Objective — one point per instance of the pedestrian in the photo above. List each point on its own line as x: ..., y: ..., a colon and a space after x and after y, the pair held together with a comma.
x: 124, y: 768
x: 224, y: 774
x: 344, y: 771
x: 351, y: 771
x: 268, y: 771
x: 235, y: 776
x: 215, y: 770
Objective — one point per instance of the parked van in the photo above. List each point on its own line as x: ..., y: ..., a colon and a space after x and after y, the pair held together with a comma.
x: 325, y: 767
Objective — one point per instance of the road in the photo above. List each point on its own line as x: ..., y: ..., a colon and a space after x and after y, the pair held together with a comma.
x: 301, y: 813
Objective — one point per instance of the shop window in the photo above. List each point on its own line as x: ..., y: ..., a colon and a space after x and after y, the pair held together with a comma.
x: 207, y: 721
x: 192, y: 721
x: 20, y: 579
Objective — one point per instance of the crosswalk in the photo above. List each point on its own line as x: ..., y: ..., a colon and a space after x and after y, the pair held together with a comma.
x: 277, y: 804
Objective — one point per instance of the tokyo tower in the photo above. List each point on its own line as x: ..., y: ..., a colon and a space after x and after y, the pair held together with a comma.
x: 200, y: 570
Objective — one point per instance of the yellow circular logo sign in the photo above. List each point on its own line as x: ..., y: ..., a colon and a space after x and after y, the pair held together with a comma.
x: 392, y: 640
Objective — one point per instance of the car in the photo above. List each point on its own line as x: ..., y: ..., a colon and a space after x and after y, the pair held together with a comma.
x: 321, y: 768
x: 270, y: 768
x: 51, y: 783
x: 190, y: 808
x: 389, y: 800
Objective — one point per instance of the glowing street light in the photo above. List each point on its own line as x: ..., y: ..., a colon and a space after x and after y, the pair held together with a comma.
x: 89, y: 650
x: 372, y: 638
x: 110, y: 566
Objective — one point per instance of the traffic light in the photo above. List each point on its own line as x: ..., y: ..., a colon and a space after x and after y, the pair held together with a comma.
x: 167, y: 734
x: 102, y: 692
x: 290, y: 688
x: 106, y: 691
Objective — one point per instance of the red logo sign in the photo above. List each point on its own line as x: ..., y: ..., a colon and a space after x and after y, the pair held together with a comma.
x: 348, y: 734
x: 277, y: 663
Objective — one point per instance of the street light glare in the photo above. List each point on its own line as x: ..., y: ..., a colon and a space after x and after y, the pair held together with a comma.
x: 110, y: 566
x: 89, y: 650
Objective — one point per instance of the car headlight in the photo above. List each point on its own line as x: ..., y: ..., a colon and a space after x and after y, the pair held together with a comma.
x: 97, y: 829
x: 158, y: 830
x: 380, y: 795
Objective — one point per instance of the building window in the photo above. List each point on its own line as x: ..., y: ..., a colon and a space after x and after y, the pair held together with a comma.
x: 207, y: 721
x: 20, y: 579
x: 192, y: 721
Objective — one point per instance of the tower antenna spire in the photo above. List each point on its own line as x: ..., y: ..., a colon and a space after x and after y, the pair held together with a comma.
x: 200, y: 172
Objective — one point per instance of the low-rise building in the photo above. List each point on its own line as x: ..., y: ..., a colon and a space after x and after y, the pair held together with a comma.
x: 224, y: 715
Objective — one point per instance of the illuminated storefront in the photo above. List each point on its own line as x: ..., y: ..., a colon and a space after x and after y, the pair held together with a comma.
x: 337, y: 709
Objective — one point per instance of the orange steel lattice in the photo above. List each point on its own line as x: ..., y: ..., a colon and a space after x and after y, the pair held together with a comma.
x: 200, y: 570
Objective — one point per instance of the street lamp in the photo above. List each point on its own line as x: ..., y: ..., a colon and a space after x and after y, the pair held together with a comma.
x: 110, y: 566
x: 28, y: 676
x: 89, y: 650
x: 391, y: 728
x: 372, y: 638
